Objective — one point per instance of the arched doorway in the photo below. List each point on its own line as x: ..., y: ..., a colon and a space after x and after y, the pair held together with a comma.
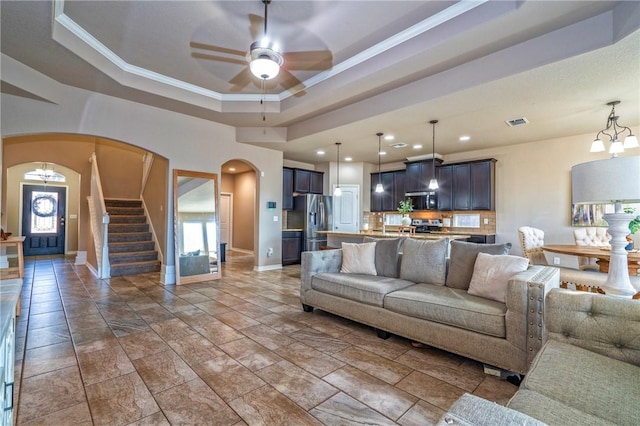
x: 43, y: 204
x: 238, y: 195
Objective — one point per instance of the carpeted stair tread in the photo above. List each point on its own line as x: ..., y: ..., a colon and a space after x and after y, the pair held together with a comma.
x: 127, y: 218
x: 133, y: 268
x: 114, y: 202
x: 129, y: 211
x: 131, y: 246
x: 118, y: 228
x: 129, y: 237
x: 132, y: 256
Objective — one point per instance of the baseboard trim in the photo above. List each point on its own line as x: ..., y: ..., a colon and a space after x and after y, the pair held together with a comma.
x: 267, y: 268
x: 168, y: 274
x: 241, y: 250
x: 81, y: 258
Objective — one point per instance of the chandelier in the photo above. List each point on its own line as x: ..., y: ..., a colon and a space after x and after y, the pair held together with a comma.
x: 614, y: 131
x: 45, y: 173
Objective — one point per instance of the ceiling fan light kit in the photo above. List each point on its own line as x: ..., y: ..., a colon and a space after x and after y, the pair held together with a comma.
x: 264, y: 60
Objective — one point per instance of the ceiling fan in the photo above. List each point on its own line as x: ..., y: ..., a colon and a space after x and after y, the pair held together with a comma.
x: 264, y: 61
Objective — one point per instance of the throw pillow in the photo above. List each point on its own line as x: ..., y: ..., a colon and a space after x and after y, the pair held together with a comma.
x: 387, y: 255
x: 359, y: 258
x: 491, y: 275
x: 424, y: 261
x: 463, y: 257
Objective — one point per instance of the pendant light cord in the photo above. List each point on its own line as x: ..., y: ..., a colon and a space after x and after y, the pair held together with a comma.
x: 379, y: 134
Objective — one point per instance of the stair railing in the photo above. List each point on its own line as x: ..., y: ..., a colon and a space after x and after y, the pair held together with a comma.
x: 99, y: 221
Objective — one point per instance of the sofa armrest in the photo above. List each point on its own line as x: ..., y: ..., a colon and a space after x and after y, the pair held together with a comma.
x: 525, y: 307
x: 603, y: 324
x: 472, y: 410
x: 315, y: 262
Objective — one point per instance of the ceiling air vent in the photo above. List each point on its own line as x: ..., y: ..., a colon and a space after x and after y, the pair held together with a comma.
x: 398, y: 145
x: 517, y: 122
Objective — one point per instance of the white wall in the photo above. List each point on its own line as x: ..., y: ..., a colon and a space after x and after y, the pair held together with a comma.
x: 189, y: 143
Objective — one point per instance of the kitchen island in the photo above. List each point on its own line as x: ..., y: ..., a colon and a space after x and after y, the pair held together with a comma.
x: 336, y: 238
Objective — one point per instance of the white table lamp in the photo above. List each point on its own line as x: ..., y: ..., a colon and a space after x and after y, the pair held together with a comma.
x: 612, y: 181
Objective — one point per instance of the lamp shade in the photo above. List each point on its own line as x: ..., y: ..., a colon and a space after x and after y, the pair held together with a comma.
x: 264, y: 68
x: 606, y: 181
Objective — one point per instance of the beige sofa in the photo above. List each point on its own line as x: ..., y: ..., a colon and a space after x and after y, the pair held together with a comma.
x: 441, y: 314
x: 587, y: 373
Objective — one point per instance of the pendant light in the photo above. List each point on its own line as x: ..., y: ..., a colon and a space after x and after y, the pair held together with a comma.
x: 338, y: 192
x: 614, y: 131
x: 433, y: 183
x: 379, y: 188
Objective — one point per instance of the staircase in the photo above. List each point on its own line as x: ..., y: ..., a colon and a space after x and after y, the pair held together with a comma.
x: 131, y: 248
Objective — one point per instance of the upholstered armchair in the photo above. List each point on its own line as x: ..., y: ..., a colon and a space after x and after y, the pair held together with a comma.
x: 531, y: 242
x: 590, y: 236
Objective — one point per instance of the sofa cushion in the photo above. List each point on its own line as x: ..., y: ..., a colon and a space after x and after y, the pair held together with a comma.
x: 387, y: 255
x: 449, y: 306
x: 424, y: 261
x: 583, y: 380
x: 369, y: 289
x: 491, y: 274
x: 550, y: 411
x: 463, y: 257
x: 358, y: 258
x: 473, y: 410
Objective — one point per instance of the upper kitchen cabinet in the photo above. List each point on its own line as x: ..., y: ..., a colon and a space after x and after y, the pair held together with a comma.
x: 445, y: 190
x: 418, y: 175
x: 483, y: 185
x: 393, y: 184
x: 467, y: 186
x: 307, y: 181
x: 287, y: 188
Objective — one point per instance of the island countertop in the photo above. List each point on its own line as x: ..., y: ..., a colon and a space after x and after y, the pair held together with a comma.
x: 378, y: 234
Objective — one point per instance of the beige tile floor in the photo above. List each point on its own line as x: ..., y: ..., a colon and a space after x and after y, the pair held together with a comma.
x: 238, y: 350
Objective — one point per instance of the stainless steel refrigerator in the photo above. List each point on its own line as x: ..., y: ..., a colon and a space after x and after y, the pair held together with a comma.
x: 312, y: 213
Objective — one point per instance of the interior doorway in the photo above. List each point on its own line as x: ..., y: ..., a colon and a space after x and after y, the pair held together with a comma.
x: 346, y: 209
x: 226, y: 219
x: 238, y: 208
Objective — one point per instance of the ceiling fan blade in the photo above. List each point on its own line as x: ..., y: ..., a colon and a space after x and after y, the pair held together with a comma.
x: 289, y: 81
x: 218, y: 58
x: 318, y: 60
x: 203, y: 46
x: 240, y: 80
x: 256, y: 26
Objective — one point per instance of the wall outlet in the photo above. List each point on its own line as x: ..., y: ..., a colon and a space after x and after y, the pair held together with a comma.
x: 486, y: 220
x: 556, y: 260
x: 270, y: 252
x: 275, y: 218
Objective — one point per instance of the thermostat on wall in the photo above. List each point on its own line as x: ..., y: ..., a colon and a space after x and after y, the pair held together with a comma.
x: 271, y: 204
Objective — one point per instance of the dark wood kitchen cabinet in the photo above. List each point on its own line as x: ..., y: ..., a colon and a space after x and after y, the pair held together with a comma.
x: 291, y: 247
x: 445, y: 190
x: 467, y: 186
x: 418, y: 175
x: 287, y: 188
x: 393, y: 184
x: 307, y: 181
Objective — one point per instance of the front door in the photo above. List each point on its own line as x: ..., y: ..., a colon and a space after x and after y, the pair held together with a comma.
x: 43, y: 209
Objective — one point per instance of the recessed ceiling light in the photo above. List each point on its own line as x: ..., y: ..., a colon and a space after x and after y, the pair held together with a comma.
x: 348, y: 159
x: 389, y: 137
x: 464, y: 138
x: 232, y: 169
x: 320, y: 152
x: 417, y: 146
x: 383, y: 153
